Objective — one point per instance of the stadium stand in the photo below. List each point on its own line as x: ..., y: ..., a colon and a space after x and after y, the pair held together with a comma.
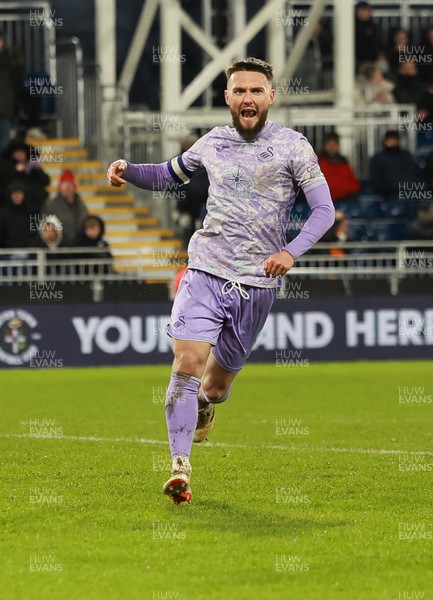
x: 145, y: 245
x: 132, y: 232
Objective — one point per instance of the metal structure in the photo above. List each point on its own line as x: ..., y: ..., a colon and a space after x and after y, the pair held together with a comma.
x: 31, y: 27
x: 394, y: 261
x: 142, y: 141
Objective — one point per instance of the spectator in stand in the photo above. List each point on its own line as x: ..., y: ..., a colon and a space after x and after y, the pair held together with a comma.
x: 422, y: 228
x: 341, y: 179
x: 68, y: 207
x: 50, y: 237
x: 366, y: 36
x: 397, y: 49
x: 372, y: 87
x: 15, y: 218
x: 337, y: 234
x: 409, y: 89
x: 50, y: 233
x: 92, y: 236
x: 425, y: 63
x: 19, y: 164
x: 11, y: 78
x: 393, y: 170
x: 428, y: 171
x: 382, y: 63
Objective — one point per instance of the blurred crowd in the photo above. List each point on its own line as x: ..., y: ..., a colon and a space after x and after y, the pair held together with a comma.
x: 29, y: 218
x: 398, y: 190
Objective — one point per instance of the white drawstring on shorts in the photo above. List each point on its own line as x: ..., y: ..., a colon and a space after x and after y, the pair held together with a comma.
x: 235, y: 285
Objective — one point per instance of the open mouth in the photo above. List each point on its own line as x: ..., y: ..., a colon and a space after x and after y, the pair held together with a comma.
x: 248, y: 113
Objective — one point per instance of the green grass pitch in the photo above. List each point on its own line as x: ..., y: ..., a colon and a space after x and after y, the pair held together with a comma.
x: 316, y: 485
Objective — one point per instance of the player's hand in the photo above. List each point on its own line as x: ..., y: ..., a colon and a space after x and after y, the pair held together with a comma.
x: 115, y: 172
x: 278, y: 264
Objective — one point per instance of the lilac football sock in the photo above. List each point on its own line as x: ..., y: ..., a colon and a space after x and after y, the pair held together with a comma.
x: 181, y: 412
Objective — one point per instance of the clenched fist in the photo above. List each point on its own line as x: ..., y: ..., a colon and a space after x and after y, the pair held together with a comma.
x: 278, y: 264
x: 115, y: 172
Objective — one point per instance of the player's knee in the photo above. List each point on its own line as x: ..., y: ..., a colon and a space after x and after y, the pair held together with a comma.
x: 215, y: 391
x: 188, y: 362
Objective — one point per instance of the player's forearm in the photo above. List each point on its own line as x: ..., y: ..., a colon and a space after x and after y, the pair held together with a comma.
x: 321, y: 219
x: 148, y: 176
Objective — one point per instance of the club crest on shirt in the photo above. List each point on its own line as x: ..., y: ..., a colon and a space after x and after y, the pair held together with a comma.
x: 265, y: 155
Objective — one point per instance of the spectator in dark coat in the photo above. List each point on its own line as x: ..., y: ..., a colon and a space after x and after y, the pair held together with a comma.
x: 11, y: 78
x: 68, y: 208
x: 15, y: 229
x: 341, y: 179
x: 338, y: 233
x: 428, y: 171
x: 425, y: 63
x: 366, y: 37
x: 409, y: 89
x: 397, y: 49
x: 92, y: 236
x: 19, y: 164
x: 393, y: 172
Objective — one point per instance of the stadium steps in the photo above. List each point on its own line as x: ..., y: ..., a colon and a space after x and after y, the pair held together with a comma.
x: 73, y: 165
x: 57, y: 142
x: 136, y: 241
x: 92, y: 188
x: 46, y: 155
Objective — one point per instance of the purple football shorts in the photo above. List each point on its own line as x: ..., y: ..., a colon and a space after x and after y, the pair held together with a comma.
x: 228, y: 316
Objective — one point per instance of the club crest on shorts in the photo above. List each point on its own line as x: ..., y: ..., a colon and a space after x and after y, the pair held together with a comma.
x: 180, y: 323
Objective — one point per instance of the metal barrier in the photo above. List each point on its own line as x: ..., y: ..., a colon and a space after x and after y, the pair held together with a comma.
x: 80, y: 107
x: 31, y: 27
x: 394, y: 261
x: 142, y: 132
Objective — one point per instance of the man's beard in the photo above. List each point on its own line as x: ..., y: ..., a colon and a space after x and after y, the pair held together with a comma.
x: 249, y: 134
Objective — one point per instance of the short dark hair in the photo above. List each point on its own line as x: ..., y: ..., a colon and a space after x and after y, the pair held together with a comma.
x: 251, y: 64
x: 392, y: 133
x: 331, y: 136
x: 363, y: 5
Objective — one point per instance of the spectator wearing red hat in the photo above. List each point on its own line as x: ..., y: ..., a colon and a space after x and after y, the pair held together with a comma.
x: 68, y: 207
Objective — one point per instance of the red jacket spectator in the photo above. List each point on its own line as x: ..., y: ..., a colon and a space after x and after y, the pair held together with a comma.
x: 341, y: 179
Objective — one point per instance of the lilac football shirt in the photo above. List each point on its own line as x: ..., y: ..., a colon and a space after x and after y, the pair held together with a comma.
x: 253, y: 185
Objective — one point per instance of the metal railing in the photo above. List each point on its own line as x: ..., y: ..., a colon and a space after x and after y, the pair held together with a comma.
x: 31, y: 27
x: 391, y: 260
x: 79, y: 107
x: 142, y: 132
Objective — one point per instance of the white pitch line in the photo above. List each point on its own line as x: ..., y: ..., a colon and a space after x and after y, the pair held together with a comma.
x: 82, y: 438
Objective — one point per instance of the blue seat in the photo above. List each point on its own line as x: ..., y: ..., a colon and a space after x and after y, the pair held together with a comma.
x: 370, y: 206
x: 394, y: 208
x: 357, y: 230
x: 399, y: 230
x: 351, y: 208
x: 385, y: 230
